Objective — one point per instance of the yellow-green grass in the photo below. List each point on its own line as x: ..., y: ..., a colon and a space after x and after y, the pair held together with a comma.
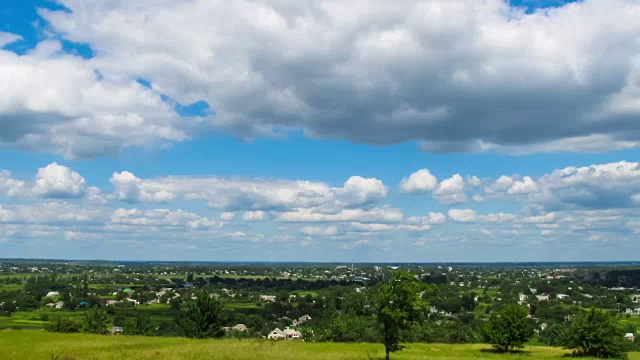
x: 32, y: 345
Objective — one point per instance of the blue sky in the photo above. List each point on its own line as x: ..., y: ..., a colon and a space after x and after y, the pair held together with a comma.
x: 425, y: 131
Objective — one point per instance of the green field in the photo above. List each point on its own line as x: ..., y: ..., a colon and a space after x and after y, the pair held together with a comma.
x: 20, y: 345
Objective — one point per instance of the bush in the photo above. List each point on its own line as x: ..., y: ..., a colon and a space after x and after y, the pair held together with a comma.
x: 95, y: 321
x: 141, y: 324
x: 62, y: 324
x: 595, y: 333
x: 508, y: 329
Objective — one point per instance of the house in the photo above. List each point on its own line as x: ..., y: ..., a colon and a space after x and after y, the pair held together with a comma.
x: 635, y: 299
x: 630, y: 336
x: 522, y: 298
x: 239, y: 327
x: 116, y: 330
x: 266, y: 298
x: 533, y: 291
x: 53, y: 294
x: 276, y: 334
x: 561, y: 296
x: 287, y: 334
x: 291, y: 334
x: 542, y: 297
x: 59, y: 305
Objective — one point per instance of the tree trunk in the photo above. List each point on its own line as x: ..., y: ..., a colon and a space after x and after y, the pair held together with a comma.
x: 387, y: 350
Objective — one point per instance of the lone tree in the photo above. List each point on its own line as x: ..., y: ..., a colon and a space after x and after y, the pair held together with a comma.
x: 508, y: 329
x: 595, y: 333
x: 202, y: 319
x: 397, y: 307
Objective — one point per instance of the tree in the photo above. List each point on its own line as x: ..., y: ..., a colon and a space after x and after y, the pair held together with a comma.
x: 141, y: 324
x: 62, y: 324
x: 202, y: 319
x: 595, y: 333
x: 509, y: 328
x: 396, y: 306
x: 95, y: 321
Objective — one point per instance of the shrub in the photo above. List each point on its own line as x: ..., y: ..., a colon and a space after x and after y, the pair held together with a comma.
x: 62, y: 324
x: 95, y: 321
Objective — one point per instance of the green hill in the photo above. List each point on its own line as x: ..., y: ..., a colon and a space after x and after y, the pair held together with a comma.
x: 40, y: 345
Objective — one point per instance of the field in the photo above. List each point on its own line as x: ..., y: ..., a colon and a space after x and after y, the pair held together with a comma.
x: 19, y: 345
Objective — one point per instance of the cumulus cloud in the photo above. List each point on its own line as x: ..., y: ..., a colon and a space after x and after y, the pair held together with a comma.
x: 469, y: 215
x: 163, y: 217
x: 451, y: 190
x: 250, y: 194
x: 59, y: 181
x: 356, y: 70
x: 375, y: 215
x: 319, y: 231
x: 419, y: 181
x: 56, y: 102
x: 254, y: 215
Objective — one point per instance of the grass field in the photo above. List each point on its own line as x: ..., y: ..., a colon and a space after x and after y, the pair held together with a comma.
x: 21, y: 345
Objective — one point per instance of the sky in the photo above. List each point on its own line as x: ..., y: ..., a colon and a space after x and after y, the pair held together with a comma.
x: 414, y: 131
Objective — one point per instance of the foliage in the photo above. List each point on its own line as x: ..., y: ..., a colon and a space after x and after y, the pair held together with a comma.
x: 396, y: 306
x: 595, y: 333
x: 202, y: 319
x: 141, y: 324
x: 95, y: 321
x: 62, y: 324
x: 509, y: 328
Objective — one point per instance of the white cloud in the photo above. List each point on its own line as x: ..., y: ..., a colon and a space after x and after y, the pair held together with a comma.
x: 523, y: 187
x: 374, y: 60
x: 319, y: 231
x: 253, y: 216
x: 163, y: 217
x: 541, y: 219
x: 227, y: 216
x: 451, y: 190
x: 250, y: 194
x: 55, y: 102
x: 375, y: 215
x: 469, y: 215
x: 419, y: 181
x: 59, y: 181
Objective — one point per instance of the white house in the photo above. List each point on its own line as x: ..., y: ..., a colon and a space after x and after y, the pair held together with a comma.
x: 53, y: 294
x: 266, y: 298
x: 561, y: 296
x: 276, y: 334
x: 542, y: 297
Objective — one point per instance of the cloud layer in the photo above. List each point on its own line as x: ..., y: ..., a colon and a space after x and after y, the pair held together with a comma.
x: 457, y: 76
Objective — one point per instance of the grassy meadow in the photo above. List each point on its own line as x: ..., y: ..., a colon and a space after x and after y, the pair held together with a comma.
x: 32, y: 345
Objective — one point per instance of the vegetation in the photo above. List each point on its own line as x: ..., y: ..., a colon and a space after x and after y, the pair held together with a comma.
x: 595, y: 333
x: 509, y: 328
x: 396, y: 308
x: 202, y: 319
x: 19, y: 345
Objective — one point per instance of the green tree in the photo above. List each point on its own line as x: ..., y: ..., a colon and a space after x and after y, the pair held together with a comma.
x: 509, y: 328
x: 141, y: 324
x: 396, y: 308
x: 595, y: 333
x: 62, y: 324
x: 95, y: 321
x: 202, y: 319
